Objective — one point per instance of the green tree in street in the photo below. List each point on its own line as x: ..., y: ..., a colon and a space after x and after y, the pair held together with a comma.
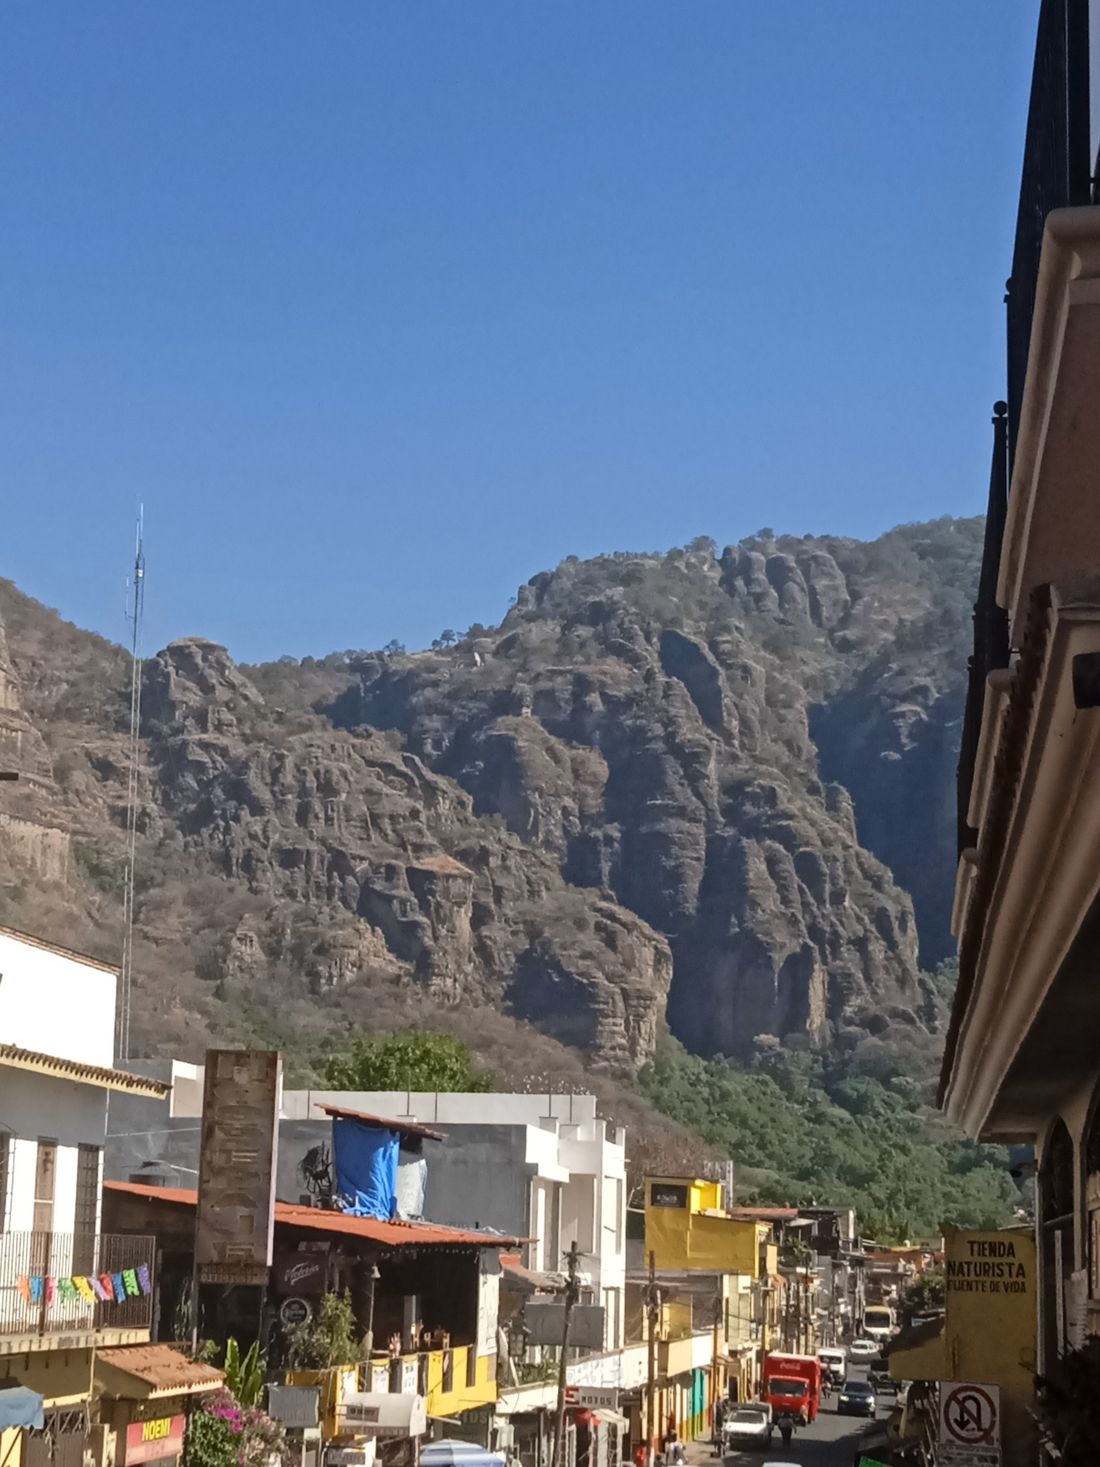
x: 414, y: 1060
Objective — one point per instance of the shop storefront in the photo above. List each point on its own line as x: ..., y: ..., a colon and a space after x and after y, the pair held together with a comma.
x: 144, y: 1396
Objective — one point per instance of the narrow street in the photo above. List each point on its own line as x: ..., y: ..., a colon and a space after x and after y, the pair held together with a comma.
x: 830, y: 1442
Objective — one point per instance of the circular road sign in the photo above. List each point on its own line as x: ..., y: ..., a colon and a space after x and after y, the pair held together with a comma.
x: 970, y: 1416
x: 294, y: 1311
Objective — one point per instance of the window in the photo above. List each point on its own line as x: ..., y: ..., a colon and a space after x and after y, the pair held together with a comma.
x: 45, y: 1179
x: 86, y: 1217
x: 666, y: 1194
x: 5, y: 1172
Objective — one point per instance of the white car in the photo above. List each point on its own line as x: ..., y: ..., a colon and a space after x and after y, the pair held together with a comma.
x: 863, y: 1350
x: 747, y: 1426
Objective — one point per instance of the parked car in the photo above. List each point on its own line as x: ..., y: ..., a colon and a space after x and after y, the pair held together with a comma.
x: 857, y: 1398
x: 747, y: 1426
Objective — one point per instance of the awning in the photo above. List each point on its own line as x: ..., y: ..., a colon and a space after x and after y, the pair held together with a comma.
x: 20, y: 1406
x: 612, y: 1418
x: 380, y: 1413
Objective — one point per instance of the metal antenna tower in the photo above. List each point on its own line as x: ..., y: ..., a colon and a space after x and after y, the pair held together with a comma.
x: 136, y: 605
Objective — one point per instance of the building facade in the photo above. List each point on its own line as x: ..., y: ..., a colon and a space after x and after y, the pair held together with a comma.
x: 1021, y: 1061
x: 57, y: 1016
x: 545, y: 1168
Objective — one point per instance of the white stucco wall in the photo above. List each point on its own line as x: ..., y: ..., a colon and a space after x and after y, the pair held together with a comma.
x: 38, y: 1107
x: 55, y: 1003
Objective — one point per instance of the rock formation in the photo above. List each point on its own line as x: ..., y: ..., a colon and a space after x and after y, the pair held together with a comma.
x: 686, y: 788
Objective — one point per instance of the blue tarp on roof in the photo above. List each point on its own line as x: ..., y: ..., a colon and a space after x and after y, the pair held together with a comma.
x: 366, y: 1168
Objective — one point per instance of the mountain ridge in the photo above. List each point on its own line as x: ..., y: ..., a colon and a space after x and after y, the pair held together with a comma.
x: 668, y: 789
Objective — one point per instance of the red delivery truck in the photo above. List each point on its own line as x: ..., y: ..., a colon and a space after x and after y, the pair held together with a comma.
x: 792, y: 1385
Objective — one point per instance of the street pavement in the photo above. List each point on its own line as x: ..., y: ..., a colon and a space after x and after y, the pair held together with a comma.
x: 830, y: 1442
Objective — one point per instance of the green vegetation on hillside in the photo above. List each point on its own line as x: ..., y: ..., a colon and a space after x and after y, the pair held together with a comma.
x: 847, y: 1130
x: 415, y: 1060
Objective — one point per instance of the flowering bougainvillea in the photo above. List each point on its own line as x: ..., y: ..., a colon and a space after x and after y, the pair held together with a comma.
x: 223, y: 1434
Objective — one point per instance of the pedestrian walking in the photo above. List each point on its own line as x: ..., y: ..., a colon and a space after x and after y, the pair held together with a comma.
x: 786, y: 1429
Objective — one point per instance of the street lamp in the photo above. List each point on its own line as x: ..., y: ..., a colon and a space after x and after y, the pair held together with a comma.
x: 372, y: 1279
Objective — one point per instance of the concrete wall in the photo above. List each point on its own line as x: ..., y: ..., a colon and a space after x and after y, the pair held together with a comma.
x: 55, y: 1003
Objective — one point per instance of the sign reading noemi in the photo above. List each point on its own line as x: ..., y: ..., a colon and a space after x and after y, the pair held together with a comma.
x: 155, y: 1440
x: 235, y: 1218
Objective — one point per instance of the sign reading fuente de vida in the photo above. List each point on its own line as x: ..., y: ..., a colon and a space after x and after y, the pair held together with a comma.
x: 989, y: 1348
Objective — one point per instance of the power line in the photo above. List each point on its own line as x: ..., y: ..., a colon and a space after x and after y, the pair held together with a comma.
x: 126, y: 974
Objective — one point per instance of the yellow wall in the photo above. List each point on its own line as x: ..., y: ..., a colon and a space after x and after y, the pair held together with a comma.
x: 990, y: 1325
x: 691, y: 1238
x: 461, y: 1397
x: 61, y: 1377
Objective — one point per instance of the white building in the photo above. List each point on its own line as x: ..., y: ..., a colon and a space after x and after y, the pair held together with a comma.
x: 542, y: 1167
x: 57, y: 1019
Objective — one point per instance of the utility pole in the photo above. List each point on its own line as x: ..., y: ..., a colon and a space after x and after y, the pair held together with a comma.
x: 714, y: 1362
x: 572, y: 1289
x: 653, y: 1314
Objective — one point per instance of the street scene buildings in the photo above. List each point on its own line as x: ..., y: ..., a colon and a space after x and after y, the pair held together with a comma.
x: 465, y: 1239
x: 205, y: 1265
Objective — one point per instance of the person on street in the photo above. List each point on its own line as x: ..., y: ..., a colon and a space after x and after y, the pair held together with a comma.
x: 786, y: 1428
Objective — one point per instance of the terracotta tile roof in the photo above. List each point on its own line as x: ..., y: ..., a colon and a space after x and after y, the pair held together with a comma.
x: 389, y: 1234
x: 161, y: 1367
x: 65, y: 1069
x: 407, y: 1128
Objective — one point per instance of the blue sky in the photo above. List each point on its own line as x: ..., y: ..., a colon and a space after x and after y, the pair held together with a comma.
x: 381, y: 306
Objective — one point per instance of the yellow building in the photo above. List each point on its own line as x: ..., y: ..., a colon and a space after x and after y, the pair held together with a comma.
x: 713, y: 1275
x: 687, y: 1227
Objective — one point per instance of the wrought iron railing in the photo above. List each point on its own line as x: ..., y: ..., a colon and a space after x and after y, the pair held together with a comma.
x: 46, y: 1280
x: 990, y: 624
x: 1057, y: 173
x: 1057, y: 168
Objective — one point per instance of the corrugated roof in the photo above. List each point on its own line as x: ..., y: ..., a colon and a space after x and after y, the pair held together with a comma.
x: 161, y: 1367
x: 406, y: 1128
x: 65, y: 1069
x: 389, y: 1234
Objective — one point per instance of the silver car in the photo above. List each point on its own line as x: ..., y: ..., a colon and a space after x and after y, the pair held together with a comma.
x: 747, y: 1426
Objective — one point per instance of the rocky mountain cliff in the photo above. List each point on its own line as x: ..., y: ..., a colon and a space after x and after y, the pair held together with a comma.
x: 708, y: 790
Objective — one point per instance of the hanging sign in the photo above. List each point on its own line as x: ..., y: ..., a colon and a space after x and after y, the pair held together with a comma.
x: 294, y: 1311
x: 592, y: 1398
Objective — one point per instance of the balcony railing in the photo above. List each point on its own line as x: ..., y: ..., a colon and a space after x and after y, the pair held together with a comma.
x: 990, y: 625
x: 46, y: 1280
x: 1057, y: 174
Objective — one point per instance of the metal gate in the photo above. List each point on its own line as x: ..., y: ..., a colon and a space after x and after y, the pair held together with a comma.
x: 60, y: 1442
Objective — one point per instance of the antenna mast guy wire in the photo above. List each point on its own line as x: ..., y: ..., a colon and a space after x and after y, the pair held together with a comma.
x: 126, y: 975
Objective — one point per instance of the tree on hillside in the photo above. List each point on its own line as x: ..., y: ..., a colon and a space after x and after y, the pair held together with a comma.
x: 409, y: 1061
